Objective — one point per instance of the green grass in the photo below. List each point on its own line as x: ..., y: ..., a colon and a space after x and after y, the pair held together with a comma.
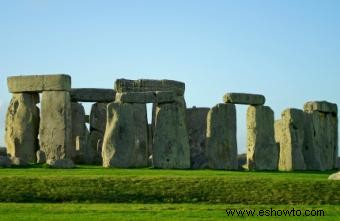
x: 99, y: 185
x: 162, y: 212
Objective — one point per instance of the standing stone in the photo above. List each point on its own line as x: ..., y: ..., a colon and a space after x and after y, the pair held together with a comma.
x: 98, y: 120
x: 290, y: 134
x: 56, y: 125
x: 41, y: 156
x: 221, y: 142
x: 125, y: 140
x: 22, y: 126
x: 81, y: 153
x: 263, y: 153
x: 197, y: 129
x: 171, y: 148
x: 321, y: 136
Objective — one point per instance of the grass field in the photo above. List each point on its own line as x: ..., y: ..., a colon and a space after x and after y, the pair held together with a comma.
x: 96, y: 193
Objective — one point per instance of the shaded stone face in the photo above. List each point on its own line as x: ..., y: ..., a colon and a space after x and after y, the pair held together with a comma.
x: 39, y: 83
x: 22, y: 126
x: 289, y: 132
x: 146, y: 97
x: 242, y: 98
x: 144, y: 85
x: 98, y: 117
x: 221, y: 144
x: 92, y: 95
x: 56, y: 125
x: 125, y: 140
x: 196, y: 119
x: 171, y: 148
x: 262, y: 151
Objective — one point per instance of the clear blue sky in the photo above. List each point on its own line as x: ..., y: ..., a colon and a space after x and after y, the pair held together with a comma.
x: 287, y: 50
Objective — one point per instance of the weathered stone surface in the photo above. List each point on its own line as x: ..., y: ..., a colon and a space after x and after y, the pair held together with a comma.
x: 146, y: 97
x: 3, y: 151
x: 41, y: 156
x: 242, y: 161
x: 38, y: 83
x: 92, y: 95
x: 94, y: 152
x: 98, y: 117
x: 80, y: 135
x: 197, y: 128
x: 22, y: 126
x: 334, y: 176
x: 150, y: 143
x: 60, y: 163
x: 338, y: 163
x: 56, y: 125
x: 262, y: 151
x: 5, y: 161
x: 87, y: 119
x: 290, y: 134
x: 321, y: 106
x: 171, y: 148
x: 125, y: 140
x: 242, y: 98
x: 16, y: 161
x: 221, y: 142
x: 144, y: 85
x: 321, y: 141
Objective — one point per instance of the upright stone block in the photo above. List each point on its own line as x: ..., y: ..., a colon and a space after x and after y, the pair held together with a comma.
x: 221, y: 142
x: 171, y: 148
x: 39, y: 83
x: 290, y: 135
x: 321, y: 136
x: 197, y: 129
x: 56, y: 125
x: 125, y: 140
x: 262, y: 153
x: 242, y: 98
x: 22, y: 126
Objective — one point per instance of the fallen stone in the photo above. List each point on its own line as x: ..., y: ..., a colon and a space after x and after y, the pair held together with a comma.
x: 196, y: 119
x: 291, y: 140
x: 263, y: 153
x: 221, y: 142
x: 56, y: 125
x: 171, y: 148
x: 5, y: 161
x: 144, y: 85
x: 125, y: 140
x: 146, y: 97
x: 22, y: 126
x: 98, y: 117
x: 61, y: 163
x: 242, y: 98
x: 321, y: 106
x: 39, y: 83
x: 334, y: 176
x: 92, y: 95
x: 41, y: 156
x: 3, y: 151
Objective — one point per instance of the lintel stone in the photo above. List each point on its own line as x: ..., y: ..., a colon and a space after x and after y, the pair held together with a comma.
x: 321, y: 106
x: 243, y: 98
x: 92, y: 95
x: 146, y: 97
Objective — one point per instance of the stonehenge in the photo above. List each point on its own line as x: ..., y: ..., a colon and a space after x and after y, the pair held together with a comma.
x: 117, y: 132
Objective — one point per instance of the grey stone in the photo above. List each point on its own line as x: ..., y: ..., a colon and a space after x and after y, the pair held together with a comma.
x: 290, y: 134
x: 337, y: 163
x: 321, y: 140
x: 87, y: 119
x: 16, y: 161
x: 242, y: 161
x: 125, y: 140
x: 60, y: 163
x: 80, y: 134
x: 3, y: 151
x: 98, y: 117
x: 334, y: 176
x: 221, y: 145
x: 242, y: 98
x: 56, y: 125
x: 146, y: 97
x: 41, y: 156
x: 39, y: 83
x: 92, y: 95
x: 150, y: 143
x: 197, y: 128
x: 22, y: 126
x: 94, y: 152
x: 171, y: 148
x: 321, y: 106
x: 144, y: 85
x: 5, y: 161
x: 262, y: 151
